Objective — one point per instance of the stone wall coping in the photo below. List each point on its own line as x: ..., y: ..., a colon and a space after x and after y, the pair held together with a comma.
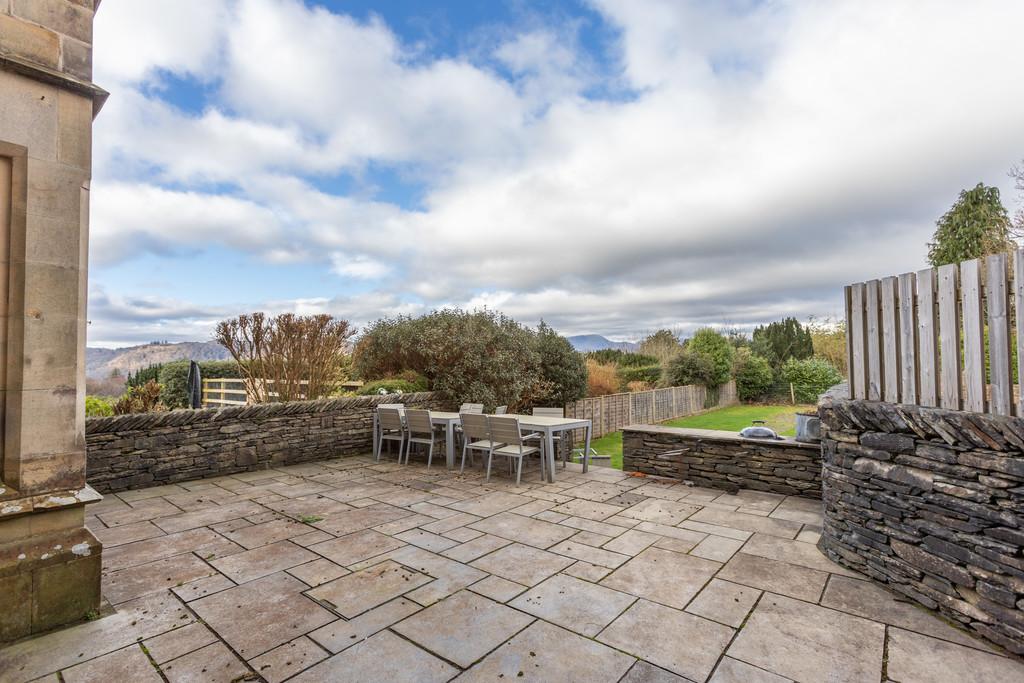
x: 177, y: 418
x: 721, y: 435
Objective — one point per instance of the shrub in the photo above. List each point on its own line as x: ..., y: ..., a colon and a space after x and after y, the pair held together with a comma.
x: 393, y: 385
x: 562, y: 368
x: 647, y: 374
x: 480, y: 357
x: 174, y: 379
x: 828, y: 338
x: 634, y: 387
x: 688, y: 367
x: 621, y: 358
x: 781, y: 340
x: 98, y: 407
x: 663, y: 345
x: 143, y: 375
x: 143, y: 399
x: 717, y: 350
x: 602, y: 378
x: 753, y: 375
x: 810, y: 377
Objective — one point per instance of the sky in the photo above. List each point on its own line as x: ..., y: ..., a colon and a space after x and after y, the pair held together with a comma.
x: 608, y: 166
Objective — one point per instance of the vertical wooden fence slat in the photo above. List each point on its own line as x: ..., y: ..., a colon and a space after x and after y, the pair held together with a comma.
x: 974, y: 336
x: 848, y: 309
x: 949, y: 335
x: 874, y: 339
x: 858, y: 341
x: 998, y: 303
x: 1018, y: 303
x: 890, y: 341
x: 927, y: 338
x: 908, y: 339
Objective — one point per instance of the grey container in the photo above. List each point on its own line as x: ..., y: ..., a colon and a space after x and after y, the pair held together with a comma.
x: 808, y: 428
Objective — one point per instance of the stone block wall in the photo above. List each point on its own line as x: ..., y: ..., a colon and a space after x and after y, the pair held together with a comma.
x: 930, y: 502
x: 135, y: 451
x: 723, y: 460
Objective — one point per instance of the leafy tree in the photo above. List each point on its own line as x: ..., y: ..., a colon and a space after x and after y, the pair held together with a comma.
x: 288, y: 355
x: 976, y: 225
x: 753, y: 375
x: 781, y: 340
x: 480, y: 356
x: 96, y: 406
x: 828, y: 338
x: 717, y: 350
x: 623, y: 359
x: 1017, y: 173
x: 810, y: 377
x: 561, y: 366
x: 143, y: 375
x: 663, y: 345
x: 688, y: 367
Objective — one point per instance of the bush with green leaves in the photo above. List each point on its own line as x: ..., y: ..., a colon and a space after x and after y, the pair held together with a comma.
x: 143, y: 375
x: 623, y: 359
x: 753, y: 375
x: 810, y: 377
x: 781, y: 340
x: 96, y: 406
x: 174, y: 378
x: 713, y: 346
x: 688, y: 367
x: 648, y: 374
x: 479, y: 357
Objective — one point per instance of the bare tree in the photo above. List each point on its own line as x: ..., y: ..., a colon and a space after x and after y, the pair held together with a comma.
x: 1017, y: 173
x: 287, y: 357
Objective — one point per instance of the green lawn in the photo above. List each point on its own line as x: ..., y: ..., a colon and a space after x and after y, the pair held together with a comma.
x: 732, y: 419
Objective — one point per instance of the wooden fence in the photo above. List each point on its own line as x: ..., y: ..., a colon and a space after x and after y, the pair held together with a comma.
x: 232, y: 392
x: 613, y: 412
x: 942, y: 337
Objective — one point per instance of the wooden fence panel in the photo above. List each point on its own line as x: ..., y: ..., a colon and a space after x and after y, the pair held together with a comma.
x: 1018, y: 307
x: 998, y: 304
x: 908, y: 339
x: 890, y: 341
x: 928, y: 337
x: 874, y: 340
x: 949, y: 336
x: 858, y: 341
x: 974, y: 336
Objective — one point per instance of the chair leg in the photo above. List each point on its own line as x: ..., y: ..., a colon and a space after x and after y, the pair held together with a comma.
x: 519, y: 471
x: 430, y: 453
x: 462, y: 468
x: 490, y: 455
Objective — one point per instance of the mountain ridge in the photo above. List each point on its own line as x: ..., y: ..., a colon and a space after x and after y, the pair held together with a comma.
x: 597, y: 342
x: 101, y: 363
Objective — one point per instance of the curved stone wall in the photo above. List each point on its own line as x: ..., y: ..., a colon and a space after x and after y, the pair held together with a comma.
x: 931, y: 503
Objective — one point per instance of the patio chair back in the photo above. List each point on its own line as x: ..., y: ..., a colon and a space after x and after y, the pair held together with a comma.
x: 400, y: 407
x: 549, y: 412
x: 477, y: 408
x: 474, y: 426
x: 418, y: 422
x: 501, y: 410
x: 390, y: 419
x: 505, y: 430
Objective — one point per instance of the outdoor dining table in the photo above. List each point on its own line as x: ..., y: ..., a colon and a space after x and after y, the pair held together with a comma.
x: 546, y: 426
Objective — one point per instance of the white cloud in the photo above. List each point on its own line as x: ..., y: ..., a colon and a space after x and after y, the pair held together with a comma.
x: 767, y: 154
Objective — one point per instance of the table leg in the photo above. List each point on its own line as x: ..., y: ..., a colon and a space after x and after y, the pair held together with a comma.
x: 449, y: 444
x: 586, y: 450
x: 549, y: 441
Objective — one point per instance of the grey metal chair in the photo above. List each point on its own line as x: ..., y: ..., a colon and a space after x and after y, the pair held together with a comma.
x: 392, y: 428
x: 506, y: 430
x: 477, y: 408
x: 421, y: 431
x: 478, y: 437
x: 553, y: 412
x: 501, y: 410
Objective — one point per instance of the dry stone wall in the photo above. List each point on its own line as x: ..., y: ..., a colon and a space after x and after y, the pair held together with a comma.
x: 134, y: 451
x: 723, y: 460
x: 930, y: 503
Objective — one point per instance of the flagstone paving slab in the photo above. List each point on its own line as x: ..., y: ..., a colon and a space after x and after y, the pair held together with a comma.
x: 478, y: 547
x: 355, y: 593
x: 662, y: 576
x: 717, y: 548
x: 588, y: 509
x: 793, y: 552
x: 318, y: 572
x: 129, y: 664
x: 587, y: 553
x: 915, y: 658
x: 262, y: 614
x: 154, y: 577
x: 682, y: 643
x: 543, y: 653
x: 747, y: 522
x: 382, y: 658
x: 174, y: 644
x: 339, y: 635
x: 262, y: 561
x: 631, y: 542
x: 778, y: 577
x: 522, y: 564
x: 806, y: 642
x: 642, y: 672
x: 527, y: 530
x: 572, y: 603
x: 284, y: 661
x: 356, y: 547
x: 497, y: 588
x: 203, y: 587
x: 212, y: 664
x: 255, y: 535
x: 661, y: 511
x: 463, y: 628
x: 734, y: 671
x: 725, y: 602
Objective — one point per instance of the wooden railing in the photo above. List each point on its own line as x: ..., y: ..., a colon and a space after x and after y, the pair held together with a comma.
x: 232, y: 392
x: 612, y: 412
x: 941, y: 337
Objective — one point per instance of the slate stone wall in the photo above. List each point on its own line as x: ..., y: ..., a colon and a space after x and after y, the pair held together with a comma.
x: 135, y: 451
x: 723, y: 460
x: 930, y: 503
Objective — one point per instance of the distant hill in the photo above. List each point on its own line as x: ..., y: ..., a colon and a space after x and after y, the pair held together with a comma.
x: 595, y: 342
x: 99, y: 363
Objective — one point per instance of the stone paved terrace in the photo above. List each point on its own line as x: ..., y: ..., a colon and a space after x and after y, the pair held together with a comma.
x: 350, y: 571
